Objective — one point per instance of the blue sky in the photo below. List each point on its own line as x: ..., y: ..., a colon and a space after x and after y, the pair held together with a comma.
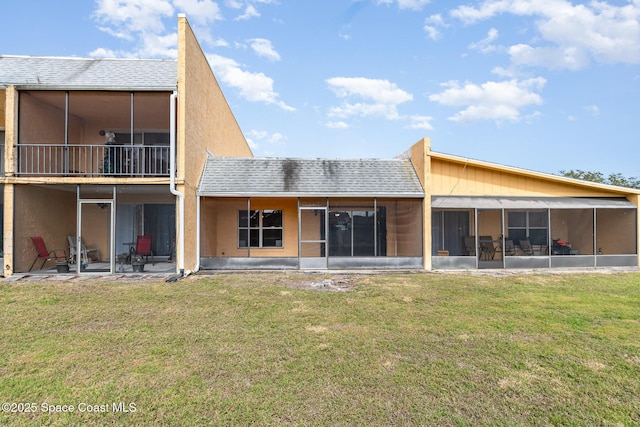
x: 546, y: 85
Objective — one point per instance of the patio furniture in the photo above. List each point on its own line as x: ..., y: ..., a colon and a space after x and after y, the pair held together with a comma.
x: 525, y: 247
x: 143, y: 248
x: 470, y: 245
x: 509, y: 248
x: 44, y: 254
x: 85, y: 251
x: 487, y: 248
x: 561, y: 247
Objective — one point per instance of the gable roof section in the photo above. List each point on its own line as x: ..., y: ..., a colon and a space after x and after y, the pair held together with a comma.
x: 622, y: 191
x: 225, y: 176
x: 41, y: 72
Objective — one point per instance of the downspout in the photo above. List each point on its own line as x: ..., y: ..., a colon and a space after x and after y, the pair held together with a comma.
x: 172, y: 183
x: 197, y: 233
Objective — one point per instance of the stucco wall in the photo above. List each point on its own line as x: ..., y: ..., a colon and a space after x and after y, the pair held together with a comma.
x: 205, y: 123
x: 44, y: 212
x: 220, y: 227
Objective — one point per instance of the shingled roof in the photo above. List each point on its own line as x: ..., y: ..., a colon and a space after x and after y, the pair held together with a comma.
x: 225, y: 176
x: 88, y: 73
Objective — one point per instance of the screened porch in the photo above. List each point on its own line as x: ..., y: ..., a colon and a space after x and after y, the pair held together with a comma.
x: 311, y: 233
x: 484, y: 232
x: 93, y: 133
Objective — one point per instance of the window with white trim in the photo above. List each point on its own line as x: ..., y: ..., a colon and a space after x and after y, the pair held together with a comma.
x: 260, y: 228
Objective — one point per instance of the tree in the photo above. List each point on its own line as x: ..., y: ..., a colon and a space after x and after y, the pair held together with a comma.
x: 612, y: 179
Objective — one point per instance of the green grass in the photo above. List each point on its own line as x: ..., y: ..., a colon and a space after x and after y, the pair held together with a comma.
x: 261, y: 349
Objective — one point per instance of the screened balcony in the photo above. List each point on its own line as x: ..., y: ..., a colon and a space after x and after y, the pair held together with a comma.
x: 93, y: 134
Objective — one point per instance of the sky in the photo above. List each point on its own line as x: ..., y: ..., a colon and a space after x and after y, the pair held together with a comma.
x: 545, y: 85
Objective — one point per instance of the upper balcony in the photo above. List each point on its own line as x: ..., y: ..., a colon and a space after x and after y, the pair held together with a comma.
x: 93, y: 160
x: 93, y: 134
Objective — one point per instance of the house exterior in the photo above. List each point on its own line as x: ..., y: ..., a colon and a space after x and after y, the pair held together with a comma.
x: 100, y: 151
x: 105, y: 150
x: 422, y: 210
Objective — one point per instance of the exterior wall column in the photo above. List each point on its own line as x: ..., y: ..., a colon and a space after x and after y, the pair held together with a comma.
x: 7, y: 244
x: 635, y: 199
x: 421, y: 160
x: 10, y: 143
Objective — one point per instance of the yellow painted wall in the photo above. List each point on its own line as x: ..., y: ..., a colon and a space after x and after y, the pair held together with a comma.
x: 422, y: 163
x: 456, y: 179
x: 44, y: 212
x: 219, y: 227
x: 205, y: 123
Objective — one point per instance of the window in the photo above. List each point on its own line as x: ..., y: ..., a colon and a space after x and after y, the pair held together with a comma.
x: 532, y: 225
x: 260, y: 229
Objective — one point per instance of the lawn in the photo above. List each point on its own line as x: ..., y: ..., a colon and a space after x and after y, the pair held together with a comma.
x: 310, y: 349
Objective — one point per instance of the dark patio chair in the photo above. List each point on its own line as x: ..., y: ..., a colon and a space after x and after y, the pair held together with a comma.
x: 143, y: 248
x: 525, y: 247
x: 470, y: 245
x: 44, y: 254
x: 487, y: 248
x: 509, y: 248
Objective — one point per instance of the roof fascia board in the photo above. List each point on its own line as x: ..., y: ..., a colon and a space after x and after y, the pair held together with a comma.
x: 340, y: 195
x: 97, y: 88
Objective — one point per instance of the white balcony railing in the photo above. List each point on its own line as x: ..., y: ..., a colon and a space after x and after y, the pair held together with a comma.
x: 93, y: 160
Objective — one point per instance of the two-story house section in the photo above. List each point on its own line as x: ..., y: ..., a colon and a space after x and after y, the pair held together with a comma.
x: 98, y: 152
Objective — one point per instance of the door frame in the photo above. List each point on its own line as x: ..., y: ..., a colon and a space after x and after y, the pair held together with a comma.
x: 322, y: 261
x: 112, y: 222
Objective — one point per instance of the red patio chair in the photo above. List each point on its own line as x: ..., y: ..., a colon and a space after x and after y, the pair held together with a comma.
x: 143, y: 247
x: 44, y: 254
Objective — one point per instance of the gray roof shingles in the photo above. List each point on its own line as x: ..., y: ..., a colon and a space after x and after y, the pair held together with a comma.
x: 309, y: 177
x: 88, y: 73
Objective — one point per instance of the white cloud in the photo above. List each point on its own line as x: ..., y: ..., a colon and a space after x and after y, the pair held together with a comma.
x: 420, y: 122
x: 201, y: 12
x: 381, y: 91
x: 103, y: 53
x: 337, y: 125
x: 568, y: 57
x: 142, y: 22
x: 254, y: 87
x: 249, y: 12
x: 383, y: 95
x: 498, y: 101
x: 257, y: 138
x: 407, y: 4
x: 593, y: 109
x: 263, y: 47
x: 485, y: 45
x: 570, y: 35
x: 234, y: 4
x: 431, y: 25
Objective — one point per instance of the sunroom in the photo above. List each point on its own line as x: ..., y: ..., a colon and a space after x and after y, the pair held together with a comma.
x: 544, y: 232
x: 309, y: 214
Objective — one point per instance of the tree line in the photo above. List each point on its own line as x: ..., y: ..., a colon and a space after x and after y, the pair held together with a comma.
x: 611, y: 179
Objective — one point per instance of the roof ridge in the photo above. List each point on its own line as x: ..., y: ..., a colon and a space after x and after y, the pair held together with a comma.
x: 84, y: 58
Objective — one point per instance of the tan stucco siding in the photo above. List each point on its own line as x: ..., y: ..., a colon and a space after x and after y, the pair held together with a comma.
x: 42, y: 212
x: 219, y: 224
x: 448, y: 178
x: 206, y: 120
x: 205, y: 124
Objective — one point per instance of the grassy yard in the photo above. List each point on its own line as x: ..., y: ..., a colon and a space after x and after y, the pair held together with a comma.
x: 287, y: 349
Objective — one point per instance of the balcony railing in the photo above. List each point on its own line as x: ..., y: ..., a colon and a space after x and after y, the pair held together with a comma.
x: 93, y: 160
